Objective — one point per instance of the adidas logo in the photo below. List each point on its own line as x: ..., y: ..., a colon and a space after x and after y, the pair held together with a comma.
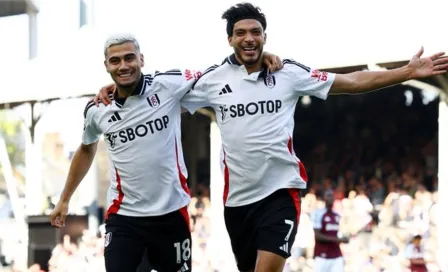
x: 184, y: 268
x: 225, y: 90
x: 114, y: 118
x: 284, y: 247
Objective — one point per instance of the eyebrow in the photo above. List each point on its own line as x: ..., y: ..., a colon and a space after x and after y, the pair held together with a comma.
x: 126, y: 55
x: 252, y: 29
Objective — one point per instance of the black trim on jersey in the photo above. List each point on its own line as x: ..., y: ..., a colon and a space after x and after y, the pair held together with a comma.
x: 174, y: 72
x: 233, y: 61
x: 91, y: 104
x: 88, y: 106
x: 208, y: 70
x: 304, y: 67
x: 139, y: 90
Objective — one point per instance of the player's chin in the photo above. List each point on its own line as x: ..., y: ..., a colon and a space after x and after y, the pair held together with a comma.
x: 125, y: 82
x: 250, y: 58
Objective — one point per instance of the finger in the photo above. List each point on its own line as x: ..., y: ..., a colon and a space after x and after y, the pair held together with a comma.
x: 441, y: 60
x: 439, y: 72
x: 420, y: 52
x: 61, y: 221
x: 280, y: 65
x: 441, y: 67
x: 278, y: 59
x: 106, y: 99
x: 96, y: 100
x: 52, y: 220
x: 270, y: 67
x: 436, y: 56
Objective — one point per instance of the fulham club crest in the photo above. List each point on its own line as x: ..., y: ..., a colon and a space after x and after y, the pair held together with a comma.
x: 269, y: 81
x: 153, y: 101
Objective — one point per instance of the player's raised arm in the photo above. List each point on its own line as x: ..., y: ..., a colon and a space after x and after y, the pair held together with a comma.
x: 365, y: 81
x: 80, y: 165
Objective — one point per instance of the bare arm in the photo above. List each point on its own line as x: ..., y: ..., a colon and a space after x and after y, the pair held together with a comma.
x: 365, y: 81
x: 81, y: 162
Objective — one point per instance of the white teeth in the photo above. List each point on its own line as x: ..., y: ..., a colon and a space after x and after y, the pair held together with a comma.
x: 125, y: 75
x: 248, y: 48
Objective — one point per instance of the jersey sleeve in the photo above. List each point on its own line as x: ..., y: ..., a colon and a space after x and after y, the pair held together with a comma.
x: 316, y: 219
x: 178, y: 81
x: 91, y: 133
x: 309, y: 81
x: 197, y: 97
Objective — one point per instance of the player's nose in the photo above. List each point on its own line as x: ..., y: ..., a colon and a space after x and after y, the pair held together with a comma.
x: 249, y: 39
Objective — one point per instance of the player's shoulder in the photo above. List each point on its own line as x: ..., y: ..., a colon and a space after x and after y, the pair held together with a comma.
x: 168, y: 74
x: 293, y: 65
x: 208, y: 74
x: 91, y: 109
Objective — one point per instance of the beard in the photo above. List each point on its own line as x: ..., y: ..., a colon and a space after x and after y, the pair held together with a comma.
x: 251, y: 61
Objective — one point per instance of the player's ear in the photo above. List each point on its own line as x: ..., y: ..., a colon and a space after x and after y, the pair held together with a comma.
x: 105, y: 65
x: 265, y: 36
x: 229, y: 39
x: 142, y: 60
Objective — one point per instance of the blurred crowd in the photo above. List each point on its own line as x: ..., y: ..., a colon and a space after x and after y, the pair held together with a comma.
x: 379, y: 234
x: 379, y: 155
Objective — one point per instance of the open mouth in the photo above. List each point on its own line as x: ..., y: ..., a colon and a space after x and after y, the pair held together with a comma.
x: 125, y: 76
x: 249, y: 49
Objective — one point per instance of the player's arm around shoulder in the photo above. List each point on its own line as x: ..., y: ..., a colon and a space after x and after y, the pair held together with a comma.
x: 197, y: 96
x: 80, y: 165
x: 175, y: 81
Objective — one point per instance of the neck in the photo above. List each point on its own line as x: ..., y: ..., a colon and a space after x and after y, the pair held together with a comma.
x: 125, y: 92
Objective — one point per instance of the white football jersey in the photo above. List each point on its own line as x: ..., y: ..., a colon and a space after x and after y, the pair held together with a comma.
x: 148, y: 176
x: 255, y: 114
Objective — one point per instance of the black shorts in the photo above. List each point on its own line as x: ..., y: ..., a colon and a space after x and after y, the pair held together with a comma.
x: 165, y: 239
x: 269, y: 224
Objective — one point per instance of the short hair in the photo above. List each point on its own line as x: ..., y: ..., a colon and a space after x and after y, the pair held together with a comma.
x: 118, y: 39
x: 240, y: 12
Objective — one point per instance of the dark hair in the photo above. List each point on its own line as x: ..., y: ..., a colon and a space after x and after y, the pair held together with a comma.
x: 240, y: 12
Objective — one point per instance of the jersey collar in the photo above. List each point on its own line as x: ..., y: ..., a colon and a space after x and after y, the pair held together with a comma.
x: 139, y: 90
x: 233, y: 61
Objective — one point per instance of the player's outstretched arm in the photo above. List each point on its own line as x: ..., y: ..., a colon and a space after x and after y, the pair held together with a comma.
x: 81, y: 162
x: 366, y: 81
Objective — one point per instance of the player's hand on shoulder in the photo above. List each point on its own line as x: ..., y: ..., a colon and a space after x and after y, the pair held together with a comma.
x: 103, y: 95
x: 273, y: 62
x: 59, y: 213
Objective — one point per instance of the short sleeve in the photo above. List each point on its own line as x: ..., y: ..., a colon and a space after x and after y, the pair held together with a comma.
x: 309, y: 81
x: 91, y: 133
x: 177, y: 81
x: 316, y: 219
x: 197, y: 97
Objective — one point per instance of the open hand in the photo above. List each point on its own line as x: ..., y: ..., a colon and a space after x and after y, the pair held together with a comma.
x: 436, y: 64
